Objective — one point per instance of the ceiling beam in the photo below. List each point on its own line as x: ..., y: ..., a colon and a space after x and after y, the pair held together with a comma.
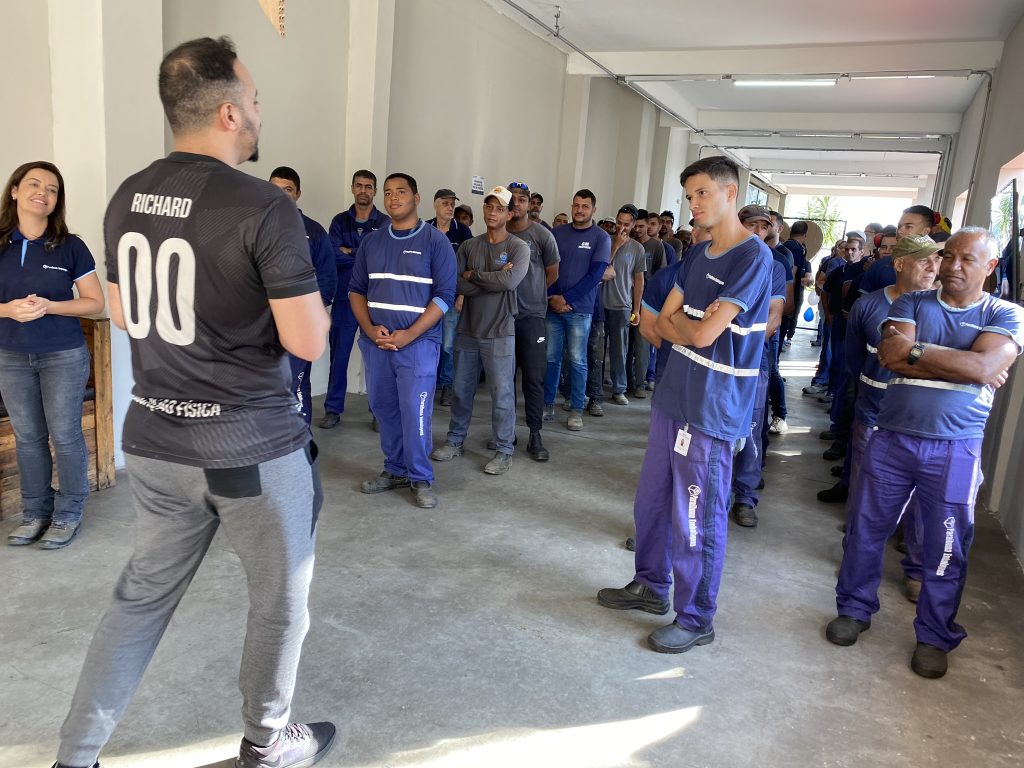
x: 874, y: 122
x: 917, y: 165
x: 796, y: 60
x: 846, y: 182
x: 825, y: 143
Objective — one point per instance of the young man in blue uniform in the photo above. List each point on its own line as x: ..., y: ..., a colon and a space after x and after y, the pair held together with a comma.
x: 212, y: 436
x: 347, y: 231
x: 584, y: 250
x: 444, y: 220
x: 322, y: 253
x: 715, y: 319
x: 747, y: 471
x: 403, y: 281
x: 948, y: 350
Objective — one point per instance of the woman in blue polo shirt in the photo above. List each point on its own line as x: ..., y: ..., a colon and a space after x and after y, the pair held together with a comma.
x: 44, y: 363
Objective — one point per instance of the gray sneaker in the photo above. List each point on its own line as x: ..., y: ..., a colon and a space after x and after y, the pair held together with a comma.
x: 499, y: 465
x: 300, y: 745
x: 27, y: 532
x: 549, y: 412
x: 575, y: 421
x: 620, y: 399
x: 58, y: 535
x: 595, y: 408
x: 447, y: 452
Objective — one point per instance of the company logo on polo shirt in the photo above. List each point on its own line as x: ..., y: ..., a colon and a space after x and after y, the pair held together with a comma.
x: 714, y: 279
x: 965, y: 324
x: 585, y: 244
x: 47, y: 266
x: 418, y: 253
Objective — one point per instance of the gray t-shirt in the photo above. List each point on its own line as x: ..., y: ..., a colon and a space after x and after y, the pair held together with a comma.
x: 533, y: 291
x: 628, y: 261
x: 657, y: 257
x: 489, y: 309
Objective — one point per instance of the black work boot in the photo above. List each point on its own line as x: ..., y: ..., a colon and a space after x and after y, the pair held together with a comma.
x: 535, y: 448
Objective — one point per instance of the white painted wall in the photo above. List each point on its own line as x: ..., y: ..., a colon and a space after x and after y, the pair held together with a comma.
x: 472, y: 93
x: 27, y: 134
x: 302, y: 83
x: 601, y: 149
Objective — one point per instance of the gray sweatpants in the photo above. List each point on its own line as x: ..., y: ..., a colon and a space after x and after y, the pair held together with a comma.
x: 269, y: 516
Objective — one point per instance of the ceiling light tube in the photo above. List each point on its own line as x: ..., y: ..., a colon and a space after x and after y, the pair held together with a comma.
x: 784, y: 83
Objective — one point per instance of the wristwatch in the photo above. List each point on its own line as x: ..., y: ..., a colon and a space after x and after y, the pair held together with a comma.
x: 915, y: 353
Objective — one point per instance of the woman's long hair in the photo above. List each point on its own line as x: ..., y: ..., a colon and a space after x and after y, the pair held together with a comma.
x: 56, y: 227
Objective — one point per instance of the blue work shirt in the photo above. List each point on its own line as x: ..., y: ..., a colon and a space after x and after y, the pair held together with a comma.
x: 348, y: 232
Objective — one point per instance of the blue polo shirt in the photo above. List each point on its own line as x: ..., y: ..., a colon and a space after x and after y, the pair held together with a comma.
x: 581, y: 253
x: 400, y: 272
x: 348, y: 231
x: 656, y: 290
x: 934, y: 408
x: 26, y: 267
x: 322, y: 253
x: 713, y: 388
x: 457, y: 233
x: 863, y: 333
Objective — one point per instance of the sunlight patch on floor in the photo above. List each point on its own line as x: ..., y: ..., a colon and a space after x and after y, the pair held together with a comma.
x: 602, y: 745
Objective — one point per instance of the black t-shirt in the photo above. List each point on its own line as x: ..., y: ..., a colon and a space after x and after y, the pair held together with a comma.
x: 197, y: 248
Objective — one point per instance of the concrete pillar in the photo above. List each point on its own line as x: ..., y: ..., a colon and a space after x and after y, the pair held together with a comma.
x: 670, y: 157
x: 637, y: 124
x: 107, y: 124
x: 926, y: 195
x: 692, y: 150
x: 741, y: 192
x: 573, y: 138
x: 371, y: 36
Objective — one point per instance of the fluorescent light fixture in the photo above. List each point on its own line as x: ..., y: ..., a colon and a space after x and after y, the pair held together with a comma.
x: 815, y: 83
x: 892, y: 77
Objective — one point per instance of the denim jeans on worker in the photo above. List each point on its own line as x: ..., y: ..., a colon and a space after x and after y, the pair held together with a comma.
x: 572, y: 330
x: 43, y: 395
x: 450, y: 321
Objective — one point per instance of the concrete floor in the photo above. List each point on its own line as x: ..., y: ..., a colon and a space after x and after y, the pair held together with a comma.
x: 470, y: 636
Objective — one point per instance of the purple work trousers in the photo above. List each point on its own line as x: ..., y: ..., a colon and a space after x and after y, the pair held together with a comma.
x: 944, y: 477
x: 749, y: 461
x: 681, y: 514
x: 860, y: 434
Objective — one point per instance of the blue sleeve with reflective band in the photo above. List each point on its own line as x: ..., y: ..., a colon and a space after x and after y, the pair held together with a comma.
x: 443, y: 271
x: 1008, y: 319
x: 779, y: 280
x: 748, y: 276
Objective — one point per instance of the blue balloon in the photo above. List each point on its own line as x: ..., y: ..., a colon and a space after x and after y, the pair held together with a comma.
x: 809, y: 314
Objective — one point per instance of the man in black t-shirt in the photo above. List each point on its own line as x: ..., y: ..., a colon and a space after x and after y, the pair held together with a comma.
x: 210, y: 274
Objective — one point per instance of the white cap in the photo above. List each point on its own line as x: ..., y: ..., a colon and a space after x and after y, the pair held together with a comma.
x: 501, y: 193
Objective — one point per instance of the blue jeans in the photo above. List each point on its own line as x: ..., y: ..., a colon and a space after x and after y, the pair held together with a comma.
x: 43, y: 396
x: 497, y: 359
x: 342, y: 336
x: 574, y: 328
x: 446, y: 376
x: 776, y: 386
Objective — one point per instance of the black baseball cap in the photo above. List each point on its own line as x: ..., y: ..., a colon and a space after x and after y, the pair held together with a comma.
x: 445, y: 193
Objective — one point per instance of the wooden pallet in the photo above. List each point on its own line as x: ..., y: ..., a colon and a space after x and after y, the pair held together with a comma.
x: 97, y: 426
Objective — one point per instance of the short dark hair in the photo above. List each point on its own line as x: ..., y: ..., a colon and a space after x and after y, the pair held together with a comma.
x: 719, y: 167
x: 776, y: 215
x: 669, y: 214
x: 799, y: 229
x: 538, y: 195
x: 653, y: 214
x: 195, y: 79
x: 889, y: 231
x: 290, y: 174
x: 584, y: 193
x: 924, y: 212
x: 643, y: 214
x: 404, y: 177
x: 365, y: 174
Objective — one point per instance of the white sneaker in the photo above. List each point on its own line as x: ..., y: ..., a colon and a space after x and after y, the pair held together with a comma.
x: 778, y: 426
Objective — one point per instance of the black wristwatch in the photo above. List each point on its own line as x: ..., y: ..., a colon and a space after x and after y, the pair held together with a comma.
x: 915, y: 353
